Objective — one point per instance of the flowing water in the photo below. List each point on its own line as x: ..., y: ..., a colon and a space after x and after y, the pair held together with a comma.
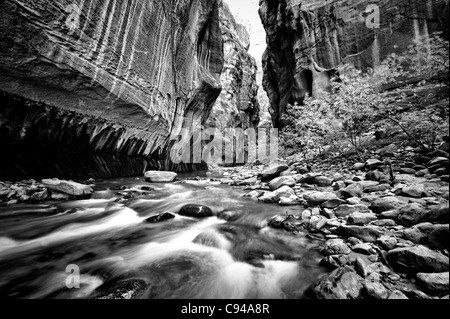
x: 119, y: 255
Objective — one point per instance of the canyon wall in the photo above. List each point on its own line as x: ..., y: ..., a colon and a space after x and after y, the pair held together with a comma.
x: 101, y: 88
x: 237, y: 105
x: 307, y: 39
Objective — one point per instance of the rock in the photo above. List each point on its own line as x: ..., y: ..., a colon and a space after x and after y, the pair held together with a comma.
x: 160, y: 176
x: 361, y: 267
x: 405, y: 170
x: 437, y: 282
x: 438, y: 161
x: 327, y: 213
x: 274, y: 197
x: 345, y: 209
x: 387, y: 203
x: 419, y: 233
x: 333, y: 203
x: 159, y: 218
x: 306, y: 214
x: 338, y: 185
x: 415, y: 190
x: 397, y: 294
x: 39, y: 196
x: 67, y: 187
x: 358, y: 166
x: 439, y: 237
x: 253, y: 194
x: 366, y: 234
x: 390, y: 214
x: 335, y: 261
x: 439, y: 214
x: 288, y: 201
x: 375, y: 290
x: 411, y: 214
x: 317, y: 222
x: 336, y: 247
x: 374, y: 176
x: 59, y: 196
x: 373, y: 163
x: 338, y: 177
x: 273, y: 171
x: 418, y: 259
x: 316, y: 198
x: 388, y: 151
x: 281, y: 181
x: 387, y: 242
x: 383, y: 223
x: 353, y: 201
x: 277, y: 221
x: 245, y: 182
x: 322, y: 181
x: 365, y: 249
x: 342, y: 283
x: 378, y: 188
x: 422, y: 173
x: 361, y: 218
x: 193, y: 210
x: 353, y: 190
x: 108, y: 194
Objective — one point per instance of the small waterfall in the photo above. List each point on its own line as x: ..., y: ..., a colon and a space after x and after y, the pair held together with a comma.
x: 376, y: 52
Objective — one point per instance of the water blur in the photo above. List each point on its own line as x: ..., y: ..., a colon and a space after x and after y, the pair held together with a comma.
x: 231, y: 255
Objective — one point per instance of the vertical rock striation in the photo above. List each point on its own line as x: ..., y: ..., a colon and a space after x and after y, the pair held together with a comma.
x: 237, y: 105
x: 100, y: 88
x: 306, y: 39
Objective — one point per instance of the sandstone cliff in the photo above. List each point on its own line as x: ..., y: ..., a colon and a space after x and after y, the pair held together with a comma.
x: 103, y: 84
x: 237, y: 105
x: 306, y: 39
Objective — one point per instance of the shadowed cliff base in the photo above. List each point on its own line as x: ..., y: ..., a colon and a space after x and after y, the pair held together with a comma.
x: 39, y: 140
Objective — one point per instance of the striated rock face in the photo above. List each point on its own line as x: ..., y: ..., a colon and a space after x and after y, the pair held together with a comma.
x: 306, y: 39
x: 98, y: 88
x: 237, y: 105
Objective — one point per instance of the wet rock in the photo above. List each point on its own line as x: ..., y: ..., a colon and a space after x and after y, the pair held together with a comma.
x: 439, y: 237
x: 437, y: 282
x: 353, y: 190
x: 121, y: 289
x: 322, y: 181
x: 387, y: 242
x: 59, y: 196
x: 375, y: 290
x: 288, y: 201
x: 273, y: 171
x: 412, y: 214
x: 67, y: 187
x: 274, y: 197
x: 336, y: 247
x: 397, y: 294
x: 361, y: 218
x: 345, y: 210
x: 387, y: 203
x: 333, y: 203
x: 108, y: 194
x: 160, y: 176
x: 281, y: 181
x: 418, y: 259
x: 277, y: 221
x: 342, y: 283
x: 193, y: 210
x: 316, y: 198
x: 159, y: 218
x: 365, y: 233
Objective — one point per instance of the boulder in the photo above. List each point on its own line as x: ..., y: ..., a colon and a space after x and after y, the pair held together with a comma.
x: 281, y: 181
x: 388, y: 151
x: 336, y: 247
x: 361, y: 218
x: 418, y: 259
x: 439, y: 237
x: 273, y: 171
x: 373, y: 163
x: 358, y: 166
x: 316, y: 198
x: 342, y: 283
x: 67, y: 187
x: 438, y: 160
x: 437, y: 282
x: 288, y: 201
x: 367, y: 234
x: 419, y: 233
x: 411, y: 214
x: 439, y: 214
x: 390, y: 214
x: 415, y: 190
x: 353, y: 190
x: 387, y: 242
x: 193, y: 210
x: 387, y: 203
x: 160, y: 176
x: 159, y: 218
x: 274, y: 197
x: 365, y: 249
x: 322, y: 181
x: 375, y: 290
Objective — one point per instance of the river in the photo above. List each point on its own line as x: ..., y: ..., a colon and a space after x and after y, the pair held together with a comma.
x: 118, y: 255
